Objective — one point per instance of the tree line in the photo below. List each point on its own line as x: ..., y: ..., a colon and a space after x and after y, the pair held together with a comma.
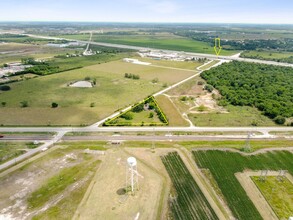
x: 266, y: 87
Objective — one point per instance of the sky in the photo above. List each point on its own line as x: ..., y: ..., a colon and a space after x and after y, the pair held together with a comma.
x: 194, y: 11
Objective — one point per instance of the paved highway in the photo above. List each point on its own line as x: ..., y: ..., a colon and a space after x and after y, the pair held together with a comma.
x: 209, y: 56
x: 61, y: 131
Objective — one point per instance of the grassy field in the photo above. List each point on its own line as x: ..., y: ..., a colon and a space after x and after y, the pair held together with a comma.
x: 173, y: 115
x: 10, y: 150
x: 279, y: 194
x: 237, y: 116
x: 231, y: 163
x: 112, y: 92
x: 14, y: 52
x: 187, y: 201
x: 209, y: 64
x: 269, y: 55
x: 169, y: 42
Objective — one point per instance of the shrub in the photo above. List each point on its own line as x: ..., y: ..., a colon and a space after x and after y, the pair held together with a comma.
x: 5, y: 88
x: 280, y: 120
x: 200, y: 83
x: 127, y: 116
x: 3, y: 104
x: 209, y: 88
x: 155, y: 80
x: 87, y: 78
x: 151, y: 115
x: 54, y: 105
x: 92, y: 105
x: 23, y: 104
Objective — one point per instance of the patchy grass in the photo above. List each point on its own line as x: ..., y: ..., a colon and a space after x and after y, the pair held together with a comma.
x: 279, y: 194
x: 237, y: 116
x: 173, y: 115
x: 10, y: 150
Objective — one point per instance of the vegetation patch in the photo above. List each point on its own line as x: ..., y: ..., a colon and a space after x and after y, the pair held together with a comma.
x: 223, y: 165
x: 145, y: 113
x: 266, y: 87
x: 279, y: 194
x: 187, y: 201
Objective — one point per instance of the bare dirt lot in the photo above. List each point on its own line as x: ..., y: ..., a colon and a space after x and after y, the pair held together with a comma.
x: 105, y: 198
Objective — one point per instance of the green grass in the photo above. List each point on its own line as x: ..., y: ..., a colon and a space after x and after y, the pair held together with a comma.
x: 166, y: 42
x: 172, y: 114
x: 279, y: 194
x: 223, y: 165
x: 237, y: 144
x: 269, y: 55
x: 209, y: 64
x: 10, y: 150
x: 237, y: 116
x: 111, y: 93
x: 188, y: 202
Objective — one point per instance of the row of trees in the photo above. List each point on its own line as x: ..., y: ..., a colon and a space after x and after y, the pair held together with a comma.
x: 267, y: 87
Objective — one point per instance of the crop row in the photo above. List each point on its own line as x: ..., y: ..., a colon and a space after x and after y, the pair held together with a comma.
x: 189, y: 203
x: 223, y: 166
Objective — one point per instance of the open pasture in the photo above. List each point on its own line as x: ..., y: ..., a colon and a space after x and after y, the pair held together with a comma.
x: 82, y: 105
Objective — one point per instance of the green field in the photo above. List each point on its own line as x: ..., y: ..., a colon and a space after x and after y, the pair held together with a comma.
x: 173, y: 115
x: 169, y: 42
x: 188, y: 201
x: 269, y: 55
x: 223, y: 165
x: 279, y: 194
x: 236, y: 116
x: 112, y: 92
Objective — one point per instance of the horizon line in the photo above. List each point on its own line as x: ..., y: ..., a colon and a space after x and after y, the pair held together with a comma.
x: 140, y: 22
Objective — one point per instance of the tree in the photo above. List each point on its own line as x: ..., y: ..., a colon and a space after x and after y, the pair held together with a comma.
x: 3, y: 104
x: 54, y: 105
x: 92, y: 105
x: 209, y: 88
x: 127, y: 116
x: 151, y: 115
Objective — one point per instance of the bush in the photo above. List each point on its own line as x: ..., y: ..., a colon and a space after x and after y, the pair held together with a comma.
x: 151, y: 115
x: 200, y: 83
x: 280, y: 120
x: 92, y: 105
x: 87, y: 78
x: 23, y: 104
x: 5, y: 88
x: 155, y: 80
x: 209, y: 88
x: 184, y: 98
x: 127, y: 116
x: 3, y: 104
x: 54, y: 105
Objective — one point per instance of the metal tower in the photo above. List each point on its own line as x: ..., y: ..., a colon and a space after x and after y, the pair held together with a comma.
x: 247, y: 147
x: 131, y: 175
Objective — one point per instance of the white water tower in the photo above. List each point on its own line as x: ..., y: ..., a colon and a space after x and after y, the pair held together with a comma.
x: 131, y: 174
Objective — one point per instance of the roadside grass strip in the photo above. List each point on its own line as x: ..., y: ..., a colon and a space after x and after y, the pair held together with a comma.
x: 127, y: 118
x: 188, y: 201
